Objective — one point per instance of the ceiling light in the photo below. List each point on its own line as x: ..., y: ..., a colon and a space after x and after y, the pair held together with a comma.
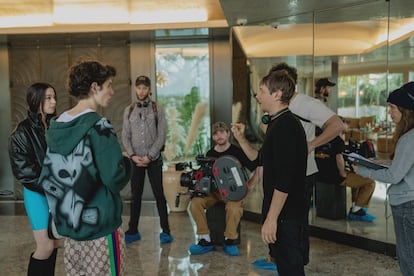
x: 29, y: 20
x: 168, y: 16
x: 90, y: 12
x: 396, y: 33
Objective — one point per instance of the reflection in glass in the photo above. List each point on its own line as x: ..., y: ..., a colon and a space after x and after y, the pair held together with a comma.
x: 368, y: 50
x: 183, y: 89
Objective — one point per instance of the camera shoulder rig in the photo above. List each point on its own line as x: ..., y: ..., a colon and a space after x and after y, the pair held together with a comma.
x: 230, y: 178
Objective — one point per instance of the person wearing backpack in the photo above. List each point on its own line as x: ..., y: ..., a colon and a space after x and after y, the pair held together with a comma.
x: 400, y: 174
x: 83, y: 173
x: 27, y: 147
x: 143, y: 136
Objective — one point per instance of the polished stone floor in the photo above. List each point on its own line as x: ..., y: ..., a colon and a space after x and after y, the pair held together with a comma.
x: 148, y: 257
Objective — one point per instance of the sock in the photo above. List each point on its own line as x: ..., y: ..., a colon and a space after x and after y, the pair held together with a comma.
x: 206, y: 237
x: 356, y: 208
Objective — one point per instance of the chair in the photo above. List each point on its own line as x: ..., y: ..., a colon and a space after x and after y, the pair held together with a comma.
x: 330, y: 201
x: 216, y: 221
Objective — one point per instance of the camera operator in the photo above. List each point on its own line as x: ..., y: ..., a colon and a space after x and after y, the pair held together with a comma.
x: 234, y: 209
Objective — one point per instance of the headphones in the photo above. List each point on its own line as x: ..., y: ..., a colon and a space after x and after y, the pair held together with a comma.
x: 144, y: 104
x: 266, y: 118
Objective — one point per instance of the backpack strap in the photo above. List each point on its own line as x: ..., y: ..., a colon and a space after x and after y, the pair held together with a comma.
x: 301, y: 118
x: 131, y: 107
x: 154, y: 109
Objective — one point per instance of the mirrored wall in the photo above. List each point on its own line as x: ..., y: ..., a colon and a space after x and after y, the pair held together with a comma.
x: 367, y: 50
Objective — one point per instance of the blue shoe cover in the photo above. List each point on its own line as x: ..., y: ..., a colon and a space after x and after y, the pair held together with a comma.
x: 196, y: 249
x: 264, y: 264
x: 231, y: 250
x: 165, y: 238
x: 367, y: 217
x: 130, y: 238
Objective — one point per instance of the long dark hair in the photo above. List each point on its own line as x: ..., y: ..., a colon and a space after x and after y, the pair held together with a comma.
x: 405, y: 124
x: 36, y: 95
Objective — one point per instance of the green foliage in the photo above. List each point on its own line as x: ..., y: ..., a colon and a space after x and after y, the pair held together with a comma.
x: 187, y: 107
x: 373, y: 89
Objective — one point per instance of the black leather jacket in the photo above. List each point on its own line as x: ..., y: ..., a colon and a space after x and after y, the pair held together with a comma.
x: 27, y: 148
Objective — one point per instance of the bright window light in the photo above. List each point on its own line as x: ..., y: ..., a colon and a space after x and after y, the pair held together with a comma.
x: 168, y: 16
x: 32, y: 20
x: 90, y: 13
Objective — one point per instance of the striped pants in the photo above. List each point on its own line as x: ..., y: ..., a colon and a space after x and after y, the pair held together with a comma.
x: 103, y: 256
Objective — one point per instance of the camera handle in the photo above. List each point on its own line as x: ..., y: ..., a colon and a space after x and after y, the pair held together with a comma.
x: 177, y: 198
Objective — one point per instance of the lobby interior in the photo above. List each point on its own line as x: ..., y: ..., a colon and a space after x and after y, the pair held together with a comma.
x: 335, y: 39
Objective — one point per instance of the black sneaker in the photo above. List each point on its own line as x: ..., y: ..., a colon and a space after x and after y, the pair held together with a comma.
x: 229, y: 242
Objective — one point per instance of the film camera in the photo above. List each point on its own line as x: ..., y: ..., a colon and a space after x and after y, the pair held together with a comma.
x: 223, y: 174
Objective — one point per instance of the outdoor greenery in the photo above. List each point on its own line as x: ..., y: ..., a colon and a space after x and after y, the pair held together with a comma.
x: 366, y: 95
x: 183, y: 89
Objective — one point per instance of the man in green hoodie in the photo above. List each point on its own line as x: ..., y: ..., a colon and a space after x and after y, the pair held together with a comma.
x: 83, y: 174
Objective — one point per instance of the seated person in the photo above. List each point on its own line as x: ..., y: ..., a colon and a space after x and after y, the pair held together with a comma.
x: 332, y: 169
x: 234, y: 209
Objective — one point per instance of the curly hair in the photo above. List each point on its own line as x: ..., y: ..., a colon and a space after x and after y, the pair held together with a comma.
x: 82, y: 75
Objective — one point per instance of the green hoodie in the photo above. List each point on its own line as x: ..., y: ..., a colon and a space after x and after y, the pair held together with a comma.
x: 83, y: 173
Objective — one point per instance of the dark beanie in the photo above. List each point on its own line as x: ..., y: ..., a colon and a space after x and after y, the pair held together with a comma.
x: 403, y: 96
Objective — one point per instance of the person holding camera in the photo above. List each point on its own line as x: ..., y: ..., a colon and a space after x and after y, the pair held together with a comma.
x: 234, y: 209
x: 143, y: 136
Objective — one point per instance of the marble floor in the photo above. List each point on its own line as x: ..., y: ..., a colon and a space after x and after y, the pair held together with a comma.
x: 148, y: 257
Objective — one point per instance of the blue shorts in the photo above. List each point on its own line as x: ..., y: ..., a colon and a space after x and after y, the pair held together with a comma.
x: 37, y: 209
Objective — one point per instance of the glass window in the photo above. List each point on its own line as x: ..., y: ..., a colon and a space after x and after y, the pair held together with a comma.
x: 366, y: 95
x: 183, y: 89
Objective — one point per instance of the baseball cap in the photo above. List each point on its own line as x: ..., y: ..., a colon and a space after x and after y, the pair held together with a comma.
x: 219, y: 126
x: 143, y: 80
x: 324, y: 82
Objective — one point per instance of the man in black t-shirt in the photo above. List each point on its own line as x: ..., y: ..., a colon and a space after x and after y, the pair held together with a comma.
x: 234, y: 209
x: 284, y: 159
x: 332, y: 170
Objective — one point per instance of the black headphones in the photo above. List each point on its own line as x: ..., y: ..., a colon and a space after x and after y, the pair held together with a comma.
x: 266, y: 118
x: 144, y: 104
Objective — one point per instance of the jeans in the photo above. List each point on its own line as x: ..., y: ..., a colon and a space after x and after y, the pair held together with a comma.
x: 403, y: 216
x: 137, y: 188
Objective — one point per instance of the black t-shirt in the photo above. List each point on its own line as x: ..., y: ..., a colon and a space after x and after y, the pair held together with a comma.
x: 236, y: 152
x: 325, y: 157
x: 284, y: 158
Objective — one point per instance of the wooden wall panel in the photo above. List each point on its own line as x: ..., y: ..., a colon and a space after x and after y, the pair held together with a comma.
x: 48, y: 60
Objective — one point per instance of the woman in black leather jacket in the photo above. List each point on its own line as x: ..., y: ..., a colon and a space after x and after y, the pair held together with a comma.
x: 27, y: 148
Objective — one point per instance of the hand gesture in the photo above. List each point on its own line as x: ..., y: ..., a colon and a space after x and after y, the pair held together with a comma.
x: 238, y: 130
